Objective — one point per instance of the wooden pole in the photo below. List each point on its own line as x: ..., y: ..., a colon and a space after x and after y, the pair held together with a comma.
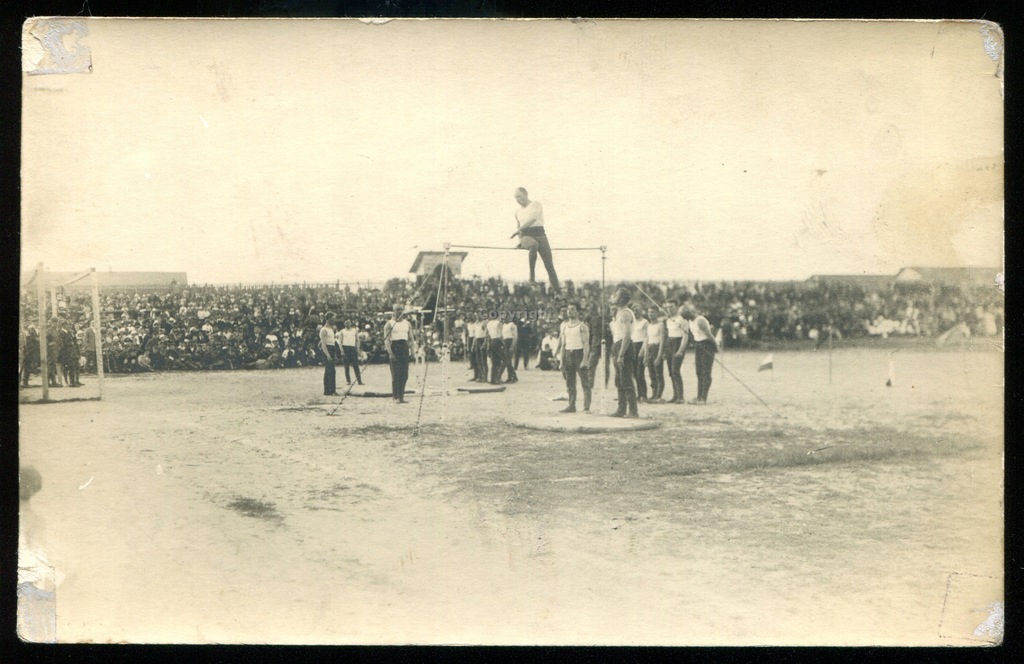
x: 445, y: 369
x: 96, y: 328
x: 44, y: 365
x: 830, y: 352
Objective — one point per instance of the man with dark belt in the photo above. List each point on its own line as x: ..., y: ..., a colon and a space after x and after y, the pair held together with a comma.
x: 510, y: 337
x: 676, y: 339
x: 624, y: 354
x: 480, y: 349
x: 350, y: 350
x: 530, y: 218
x: 397, y: 339
x: 639, y: 335
x: 653, y: 356
x: 328, y: 347
x: 575, y: 357
x: 470, y: 341
x: 524, y: 343
x: 704, y: 352
x: 495, y: 346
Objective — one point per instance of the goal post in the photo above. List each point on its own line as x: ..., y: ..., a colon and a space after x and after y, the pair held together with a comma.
x: 48, y: 308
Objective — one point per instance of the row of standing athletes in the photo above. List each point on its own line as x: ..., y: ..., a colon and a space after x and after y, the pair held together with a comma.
x: 638, y: 344
x: 651, y: 345
x: 496, y: 343
x: 398, y: 342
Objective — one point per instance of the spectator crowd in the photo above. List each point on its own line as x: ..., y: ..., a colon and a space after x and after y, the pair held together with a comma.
x: 218, y: 327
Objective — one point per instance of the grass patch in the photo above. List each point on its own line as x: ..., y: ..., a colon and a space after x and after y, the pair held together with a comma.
x: 519, y: 469
x: 259, y: 509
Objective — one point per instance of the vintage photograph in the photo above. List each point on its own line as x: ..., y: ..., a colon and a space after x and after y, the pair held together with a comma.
x: 514, y: 332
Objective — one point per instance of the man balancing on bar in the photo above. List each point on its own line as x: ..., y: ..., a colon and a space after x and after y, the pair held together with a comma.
x: 530, y: 218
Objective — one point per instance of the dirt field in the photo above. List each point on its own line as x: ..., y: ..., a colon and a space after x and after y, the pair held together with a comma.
x: 230, y: 507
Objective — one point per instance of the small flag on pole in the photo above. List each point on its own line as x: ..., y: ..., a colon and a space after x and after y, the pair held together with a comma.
x: 767, y: 363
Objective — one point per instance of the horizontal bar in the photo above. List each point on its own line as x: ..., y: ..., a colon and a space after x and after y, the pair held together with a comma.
x: 74, y: 279
x: 474, y: 246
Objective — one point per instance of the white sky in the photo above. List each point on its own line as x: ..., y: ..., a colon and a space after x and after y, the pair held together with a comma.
x: 323, y: 150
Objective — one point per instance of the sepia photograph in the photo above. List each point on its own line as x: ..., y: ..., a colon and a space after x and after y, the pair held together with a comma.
x: 299, y: 362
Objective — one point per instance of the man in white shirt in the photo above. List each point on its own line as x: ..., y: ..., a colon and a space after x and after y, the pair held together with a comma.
x: 469, y: 342
x: 480, y: 348
x: 624, y: 355
x: 350, y: 350
x: 676, y: 338
x: 704, y: 351
x: 328, y: 348
x: 510, y: 337
x: 495, y: 346
x: 397, y: 340
x: 653, y: 356
x: 549, y: 351
x: 575, y: 357
x: 639, y: 336
x: 530, y: 220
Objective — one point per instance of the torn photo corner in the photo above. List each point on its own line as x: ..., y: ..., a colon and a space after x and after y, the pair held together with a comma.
x: 56, y: 46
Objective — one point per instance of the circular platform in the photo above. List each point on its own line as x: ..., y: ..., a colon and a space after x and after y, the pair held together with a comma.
x: 482, y: 389
x: 584, y: 423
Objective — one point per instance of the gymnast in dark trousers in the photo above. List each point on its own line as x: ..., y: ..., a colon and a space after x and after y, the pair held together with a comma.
x: 530, y: 218
x: 625, y: 355
x: 350, y: 351
x: 705, y: 347
x: 397, y: 339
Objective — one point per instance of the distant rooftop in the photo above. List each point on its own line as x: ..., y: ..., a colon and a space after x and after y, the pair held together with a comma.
x: 427, y: 261
x: 873, y: 280
x: 975, y: 276
x: 115, y: 280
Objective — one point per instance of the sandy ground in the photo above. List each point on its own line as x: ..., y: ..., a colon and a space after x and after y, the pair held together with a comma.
x: 231, y: 507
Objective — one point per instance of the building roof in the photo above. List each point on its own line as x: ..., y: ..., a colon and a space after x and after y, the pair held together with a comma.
x: 432, y: 258
x: 109, y: 279
x: 978, y: 276
x: 873, y: 280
